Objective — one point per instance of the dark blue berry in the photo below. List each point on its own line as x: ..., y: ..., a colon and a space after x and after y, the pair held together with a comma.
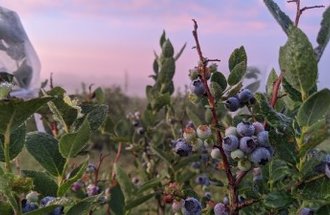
x: 192, y: 206
x: 197, y: 87
x: 232, y: 104
x: 220, y: 209
x: 44, y: 201
x: 247, y: 144
x: 202, y: 180
x: 182, y: 148
x: 260, y: 156
x: 28, y: 206
x: 244, y: 95
x: 306, y: 211
x: 230, y: 143
x: 262, y: 138
x: 245, y: 129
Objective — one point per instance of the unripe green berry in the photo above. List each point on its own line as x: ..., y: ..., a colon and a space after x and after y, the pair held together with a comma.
x: 237, y: 154
x: 203, y: 131
x: 215, y: 153
x: 244, y: 165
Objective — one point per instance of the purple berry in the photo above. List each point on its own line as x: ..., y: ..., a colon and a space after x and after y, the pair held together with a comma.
x: 247, y: 144
x: 76, y: 186
x: 182, y: 148
x: 192, y: 206
x: 230, y: 143
x: 244, y: 95
x: 220, y: 209
x: 57, y: 211
x: 258, y: 127
x: 197, y: 87
x: 245, y: 129
x: 28, y: 206
x: 177, y: 205
x: 91, y: 168
x: 92, y: 190
x: 260, y: 156
x: 263, y: 138
x: 306, y: 211
x: 44, y: 201
x: 232, y: 104
x: 202, y: 180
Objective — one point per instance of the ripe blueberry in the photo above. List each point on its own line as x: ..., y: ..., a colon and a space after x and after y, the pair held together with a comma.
x: 220, y: 209
x: 259, y: 127
x: 197, y: 87
x: 92, y: 190
x: 230, y: 143
x: 260, y: 156
x: 263, y: 139
x: 247, y: 144
x: 232, y: 104
x: 306, y: 211
x: 192, y: 206
x: 182, y: 148
x: 244, y: 95
x: 202, y: 180
x: 245, y: 129
x: 44, y: 201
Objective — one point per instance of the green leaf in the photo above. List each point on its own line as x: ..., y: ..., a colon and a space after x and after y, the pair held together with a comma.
x: 323, y: 36
x: 96, y: 115
x: 220, y: 79
x: 314, y: 108
x: 72, y: 143
x: 278, y: 170
x: 64, y: 113
x: 282, y: 19
x: 152, y: 183
x: 5, y: 208
x: 237, y: 73
x: 138, y: 201
x: 162, y: 39
x: 83, y: 206
x: 294, y: 94
x: 161, y: 101
x: 44, y: 148
x: 167, y: 70
x: 67, y: 184
x: 17, y: 139
x: 193, y: 116
x: 254, y: 86
x: 216, y: 90
x: 298, y: 63
x: 317, y: 189
x: 177, y: 56
x: 275, y: 119
x: 42, y: 182
x: 124, y: 182
x: 284, y: 144
x: 14, y: 113
x: 167, y: 49
x: 99, y: 95
x: 237, y: 56
x: 185, y: 161
x: 162, y: 155
x: 277, y: 199
x: 117, y: 201
x: 272, y: 77
x: 6, y: 191
x: 324, y: 210
x: 315, y: 135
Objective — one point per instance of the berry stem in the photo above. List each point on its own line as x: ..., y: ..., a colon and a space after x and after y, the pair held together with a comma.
x: 231, y: 179
x: 276, y: 89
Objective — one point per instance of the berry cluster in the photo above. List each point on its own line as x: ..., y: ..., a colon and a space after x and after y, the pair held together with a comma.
x: 242, y: 98
x: 30, y: 203
x: 248, y: 144
x: 192, y: 138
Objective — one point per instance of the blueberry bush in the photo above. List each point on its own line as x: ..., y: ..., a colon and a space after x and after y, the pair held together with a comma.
x: 222, y: 148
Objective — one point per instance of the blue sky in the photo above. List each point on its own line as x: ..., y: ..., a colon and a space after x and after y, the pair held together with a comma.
x: 96, y: 41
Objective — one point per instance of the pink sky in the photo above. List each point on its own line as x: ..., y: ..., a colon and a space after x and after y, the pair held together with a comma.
x: 96, y: 41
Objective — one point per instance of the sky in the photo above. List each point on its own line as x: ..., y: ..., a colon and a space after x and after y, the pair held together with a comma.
x: 98, y: 41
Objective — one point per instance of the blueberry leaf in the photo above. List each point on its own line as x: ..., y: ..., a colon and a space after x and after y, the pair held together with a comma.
x: 323, y: 36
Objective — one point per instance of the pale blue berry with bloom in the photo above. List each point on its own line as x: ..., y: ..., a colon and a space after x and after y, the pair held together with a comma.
x: 192, y: 206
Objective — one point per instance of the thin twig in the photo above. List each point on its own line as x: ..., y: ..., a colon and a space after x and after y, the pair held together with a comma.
x: 101, y: 158
x: 299, y: 11
x: 116, y: 160
x: 240, y: 177
x: 247, y: 203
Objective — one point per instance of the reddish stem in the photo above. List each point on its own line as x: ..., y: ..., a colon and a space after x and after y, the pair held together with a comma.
x: 299, y: 10
x: 276, y: 89
x: 116, y: 160
x: 101, y: 158
x: 231, y: 180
